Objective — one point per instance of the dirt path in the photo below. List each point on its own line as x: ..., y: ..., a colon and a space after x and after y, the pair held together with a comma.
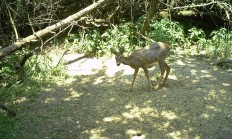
x: 96, y: 103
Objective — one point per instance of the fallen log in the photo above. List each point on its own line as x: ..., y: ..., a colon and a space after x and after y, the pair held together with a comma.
x: 41, y: 33
x: 7, y: 109
x: 224, y: 63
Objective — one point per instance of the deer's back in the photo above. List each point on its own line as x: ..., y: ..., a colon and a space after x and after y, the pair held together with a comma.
x: 150, y: 54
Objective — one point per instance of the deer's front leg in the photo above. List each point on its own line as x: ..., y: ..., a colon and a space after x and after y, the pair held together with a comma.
x: 134, y: 76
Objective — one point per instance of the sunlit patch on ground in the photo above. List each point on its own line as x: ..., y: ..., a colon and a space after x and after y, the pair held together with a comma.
x: 84, y: 66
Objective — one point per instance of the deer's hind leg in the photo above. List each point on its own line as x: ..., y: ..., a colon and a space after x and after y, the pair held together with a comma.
x: 162, y: 70
x: 167, y: 68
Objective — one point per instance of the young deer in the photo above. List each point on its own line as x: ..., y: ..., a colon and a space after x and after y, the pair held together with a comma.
x: 156, y: 52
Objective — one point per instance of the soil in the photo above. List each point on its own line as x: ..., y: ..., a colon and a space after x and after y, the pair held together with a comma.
x: 95, y: 103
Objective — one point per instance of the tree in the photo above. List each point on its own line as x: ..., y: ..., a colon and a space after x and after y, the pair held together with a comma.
x: 151, y: 13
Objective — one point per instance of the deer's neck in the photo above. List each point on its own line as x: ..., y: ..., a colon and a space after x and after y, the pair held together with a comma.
x: 126, y: 61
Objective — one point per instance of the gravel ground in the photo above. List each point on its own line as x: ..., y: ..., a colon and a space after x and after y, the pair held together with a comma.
x: 95, y: 103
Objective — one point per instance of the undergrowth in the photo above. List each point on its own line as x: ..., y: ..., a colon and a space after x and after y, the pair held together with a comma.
x: 38, y: 70
x: 6, y: 126
x: 215, y: 45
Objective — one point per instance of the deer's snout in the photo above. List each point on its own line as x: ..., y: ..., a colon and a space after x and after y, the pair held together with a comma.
x: 118, y: 60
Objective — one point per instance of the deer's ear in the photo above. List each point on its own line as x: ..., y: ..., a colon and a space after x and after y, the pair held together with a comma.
x: 121, y: 50
x: 113, y: 51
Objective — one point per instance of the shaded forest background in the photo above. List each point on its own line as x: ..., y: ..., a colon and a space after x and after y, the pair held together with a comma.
x: 21, y: 18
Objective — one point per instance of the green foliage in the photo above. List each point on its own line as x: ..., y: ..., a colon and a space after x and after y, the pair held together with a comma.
x: 121, y: 36
x: 219, y: 45
x: 196, y: 34
x: 6, y: 126
x: 92, y: 42
x: 196, y: 38
x: 85, y: 42
x: 222, y: 42
x: 7, y: 69
x: 38, y: 70
x: 167, y: 31
x: 96, y: 42
x: 44, y: 67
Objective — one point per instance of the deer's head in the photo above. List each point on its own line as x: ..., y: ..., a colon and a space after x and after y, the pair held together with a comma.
x: 118, y: 55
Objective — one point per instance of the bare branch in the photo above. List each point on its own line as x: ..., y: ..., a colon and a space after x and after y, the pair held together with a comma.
x: 190, y: 6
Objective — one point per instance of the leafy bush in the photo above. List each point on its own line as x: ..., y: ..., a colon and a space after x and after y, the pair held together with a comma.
x: 38, y: 70
x: 121, y: 36
x: 222, y: 43
x: 86, y: 42
x: 195, y: 34
x: 92, y: 42
x: 219, y: 45
x: 44, y: 67
x: 167, y: 31
x: 96, y: 42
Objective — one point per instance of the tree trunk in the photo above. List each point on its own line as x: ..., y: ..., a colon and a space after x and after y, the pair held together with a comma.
x: 149, y: 17
x: 41, y: 33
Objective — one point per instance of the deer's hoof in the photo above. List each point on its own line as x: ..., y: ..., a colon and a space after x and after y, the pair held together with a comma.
x: 157, y: 87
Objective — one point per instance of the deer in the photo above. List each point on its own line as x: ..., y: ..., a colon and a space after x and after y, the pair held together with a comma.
x: 143, y: 58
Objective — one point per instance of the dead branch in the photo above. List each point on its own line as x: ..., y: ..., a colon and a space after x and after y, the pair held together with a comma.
x: 224, y: 61
x: 61, y: 57
x: 224, y: 6
x: 21, y: 64
x: 114, y: 13
x: 190, y: 6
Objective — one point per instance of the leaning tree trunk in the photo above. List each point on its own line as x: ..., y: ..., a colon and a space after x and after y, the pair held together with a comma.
x: 41, y: 33
x: 149, y: 16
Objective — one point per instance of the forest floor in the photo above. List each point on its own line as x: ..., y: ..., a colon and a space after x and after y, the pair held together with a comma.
x: 95, y: 103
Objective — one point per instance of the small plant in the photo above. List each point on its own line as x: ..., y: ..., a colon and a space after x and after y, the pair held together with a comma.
x: 222, y: 42
x: 197, y: 38
x: 195, y: 34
